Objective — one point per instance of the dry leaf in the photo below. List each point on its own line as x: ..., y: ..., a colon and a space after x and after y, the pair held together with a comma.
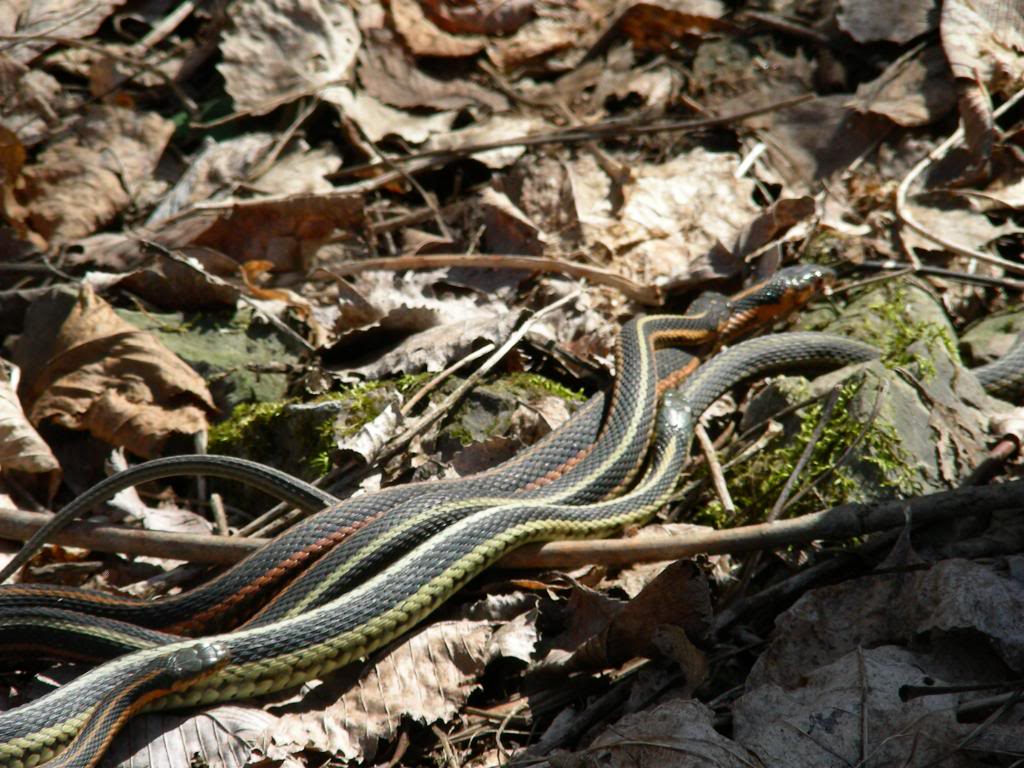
x: 425, y: 39
x: 388, y: 73
x: 373, y: 436
x: 674, y: 215
x: 492, y: 17
x: 820, y: 138
x: 984, y: 42
x: 426, y: 678
x: 677, y: 734
x: 950, y: 597
x: 950, y: 218
x: 21, y: 447
x: 284, y: 231
x: 303, y: 170
x: 850, y: 710
x: 663, y: 26
x: 220, y: 737
x: 86, y: 178
x: 499, y: 128
x: 557, y: 29
x: 772, y: 223
x: 910, y: 92
x: 169, y: 284
x: 214, y: 171
x: 437, y: 347
x: 508, y: 230
x: 32, y: 100
x: 678, y: 598
x: 86, y: 368
x: 280, y: 50
x: 897, y: 21
x: 377, y: 120
x: 34, y: 20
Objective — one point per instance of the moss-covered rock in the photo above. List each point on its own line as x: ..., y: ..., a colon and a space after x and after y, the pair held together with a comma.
x: 991, y: 338
x: 243, y: 360
x: 931, y: 422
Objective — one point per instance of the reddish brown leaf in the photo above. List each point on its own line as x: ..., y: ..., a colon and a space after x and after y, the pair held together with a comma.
x: 84, y: 180
x: 86, y: 368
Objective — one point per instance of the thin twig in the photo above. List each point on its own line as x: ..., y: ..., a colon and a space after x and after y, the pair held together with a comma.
x: 440, y: 378
x: 715, y: 471
x: 940, y: 151
x: 805, y: 455
x: 946, y: 274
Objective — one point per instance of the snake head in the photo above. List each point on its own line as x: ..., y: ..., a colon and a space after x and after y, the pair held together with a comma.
x: 196, y: 660
x: 776, y: 298
x: 804, y: 282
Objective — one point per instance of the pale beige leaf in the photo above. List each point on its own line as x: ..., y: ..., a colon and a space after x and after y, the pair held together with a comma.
x: 674, y: 215
x: 557, y: 28
x: 374, y: 435
x: 910, y: 92
x: 217, y: 168
x: 221, y: 737
x: 35, y: 20
x: 498, y: 128
x: 897, y: 21
x: 21, y: 447
x: 948, y: 218
x: 280, y: 50
x: 438, y: 346
x: 86, y: 368
x: 984, y: 41
x: 377, y: 120
x: 426, y: 679
x: 439, y: 329
x: 302, y: 171
x: 85, y: 179
x: 31, y: 98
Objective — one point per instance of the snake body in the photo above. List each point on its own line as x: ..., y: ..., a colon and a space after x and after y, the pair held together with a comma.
x: 585, y: 460
x: 290, y: 651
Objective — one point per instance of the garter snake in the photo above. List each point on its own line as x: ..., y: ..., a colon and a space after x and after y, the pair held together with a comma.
x: 581, y: 462
x: 285, y: 653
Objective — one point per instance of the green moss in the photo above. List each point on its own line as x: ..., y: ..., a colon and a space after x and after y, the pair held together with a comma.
x: 900, y: 330
x: 249, y: 425
x: 459, y: 432
x: 755, y: 484
x: 280, y: 434
x: 411, y: 382
x: 534, y: 383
